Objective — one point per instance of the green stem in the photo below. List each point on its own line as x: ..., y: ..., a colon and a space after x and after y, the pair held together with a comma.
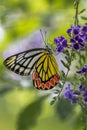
x: 63, y: 84
x: 85, y: 120
x: 66, y: 74
x: 76, y: 4
x: 84, y: 116
x: 80, y: 59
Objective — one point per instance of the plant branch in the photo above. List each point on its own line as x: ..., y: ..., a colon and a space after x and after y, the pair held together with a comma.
x: 71, y: 59
x: 76, y: 5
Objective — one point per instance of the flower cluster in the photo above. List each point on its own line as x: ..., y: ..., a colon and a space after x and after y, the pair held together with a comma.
x: 78, y: 36
x: 61, y: 43
x: 78, y: 41
x: 83, y: 70
x: 76, y: 95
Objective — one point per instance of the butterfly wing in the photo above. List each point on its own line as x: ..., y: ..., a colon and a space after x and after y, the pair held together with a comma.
x: 24, y: 62
x: 46, y: 73
x: 40, y: 62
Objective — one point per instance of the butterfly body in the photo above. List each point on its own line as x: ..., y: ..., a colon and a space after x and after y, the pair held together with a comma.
x: 39, y: 62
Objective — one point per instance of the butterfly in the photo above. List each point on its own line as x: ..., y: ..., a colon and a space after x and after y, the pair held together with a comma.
x: 40, y: 63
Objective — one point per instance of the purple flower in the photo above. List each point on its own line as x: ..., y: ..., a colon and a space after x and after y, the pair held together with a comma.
x: 74, y: 99
x: 69, y: 31
x: 73, y: 29
x: 71, y: 95
x: 81, y: 88
x: 67, y: 86
x: 61, y: 43
x: 83, y: 70
x: 85, y: 99
x: 78, y: 36
x: 76, y: 46
x: 76, y: 95
x: 84, y: 29
x: 68, y: 94
x: 85, y: 95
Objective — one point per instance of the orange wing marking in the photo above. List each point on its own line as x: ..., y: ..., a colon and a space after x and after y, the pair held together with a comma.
x: 44, y: 85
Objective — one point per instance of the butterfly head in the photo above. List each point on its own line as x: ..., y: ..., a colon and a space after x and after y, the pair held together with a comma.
x: 48, y: 48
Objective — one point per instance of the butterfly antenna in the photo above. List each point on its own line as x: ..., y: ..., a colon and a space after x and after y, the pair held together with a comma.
x: 44, y: 39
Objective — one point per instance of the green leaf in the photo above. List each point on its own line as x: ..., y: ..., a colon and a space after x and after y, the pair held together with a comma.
x: 83, y: 57
x: 68, y: 59
x: 67, y: 53
x: 63, y: 73
x: 56, y: 91
x: 84, y: 18
x: 64, y: 108
x: 62, y: 77
x: 53, y: 100
x: 28, y: 116
x: 65, y: 65
x: 81, y: 121
x: 82, y: 11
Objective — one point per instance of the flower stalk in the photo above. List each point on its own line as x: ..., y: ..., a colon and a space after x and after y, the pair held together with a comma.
x: 76, y: 5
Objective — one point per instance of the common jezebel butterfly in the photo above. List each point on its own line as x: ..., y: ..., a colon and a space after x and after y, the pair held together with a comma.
x: 40, y: 62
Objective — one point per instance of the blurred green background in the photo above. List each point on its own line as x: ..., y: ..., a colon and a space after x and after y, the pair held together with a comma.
x: 21, y: 106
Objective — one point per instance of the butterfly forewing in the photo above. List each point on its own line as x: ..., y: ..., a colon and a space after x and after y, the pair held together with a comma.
x: 24, y: 62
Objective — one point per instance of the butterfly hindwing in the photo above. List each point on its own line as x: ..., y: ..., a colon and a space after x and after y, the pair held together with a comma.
x: 46, y: 74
